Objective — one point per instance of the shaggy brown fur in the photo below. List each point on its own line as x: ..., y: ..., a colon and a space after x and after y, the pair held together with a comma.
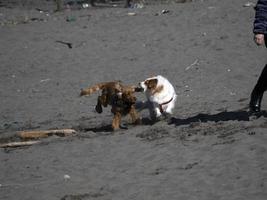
x: 120, y: 97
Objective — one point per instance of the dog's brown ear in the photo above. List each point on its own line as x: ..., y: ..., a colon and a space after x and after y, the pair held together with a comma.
x: 151, y: 83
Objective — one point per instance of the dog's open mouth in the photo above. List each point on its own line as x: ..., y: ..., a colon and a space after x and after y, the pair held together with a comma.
x: 139, y: 89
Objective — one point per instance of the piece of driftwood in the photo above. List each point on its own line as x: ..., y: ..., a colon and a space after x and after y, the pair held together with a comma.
x: 45, y: 133
x: 18, y: 144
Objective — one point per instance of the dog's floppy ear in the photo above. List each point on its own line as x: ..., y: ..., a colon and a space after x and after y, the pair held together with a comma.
x: 151, y: 83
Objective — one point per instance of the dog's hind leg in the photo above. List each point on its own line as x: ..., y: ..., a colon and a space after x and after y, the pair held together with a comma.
x: 98, y: 107
x: 116, y: 121
x: 134, y: 115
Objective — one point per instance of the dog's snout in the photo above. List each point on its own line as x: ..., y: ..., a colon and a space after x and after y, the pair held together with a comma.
x: 139, y: 88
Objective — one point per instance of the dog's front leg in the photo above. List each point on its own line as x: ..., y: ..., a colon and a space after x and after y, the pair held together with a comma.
x: 158, y: 112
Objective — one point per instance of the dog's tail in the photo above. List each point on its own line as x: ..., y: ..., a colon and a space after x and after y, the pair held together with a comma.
x: 100, y: 86
x: 92, y: 89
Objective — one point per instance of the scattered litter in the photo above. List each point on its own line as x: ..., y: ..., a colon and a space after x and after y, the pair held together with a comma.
x: 13, y: 76
x: 249, y: 4
x: 192, y: 65
x: 162, y: 12
x: 0, y: 185
x: 165, y: 11
x: 36, y: 19
x: 39, y: 10
x: 232, y: 93
x: 137, y: 5
x: 131, y: 13
x: 66, y: 177
x: 85, y: 5
x: 66, y: 43
x: 229, y: 70
x: 204, y: 34
x: 71, y: 19
x: 44, y: 80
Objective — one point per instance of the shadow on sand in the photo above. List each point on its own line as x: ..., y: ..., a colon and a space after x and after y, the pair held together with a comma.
x: 222, y: 116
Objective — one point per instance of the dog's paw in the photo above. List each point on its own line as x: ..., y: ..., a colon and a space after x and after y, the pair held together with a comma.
x: 98, y: 109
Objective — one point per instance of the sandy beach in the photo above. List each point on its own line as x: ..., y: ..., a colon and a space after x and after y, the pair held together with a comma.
x: 210, y: 149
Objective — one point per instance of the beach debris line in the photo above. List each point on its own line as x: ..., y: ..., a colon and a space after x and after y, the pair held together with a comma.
x: 18, y: 144
x: 45, y: 133
x: 29, y: 138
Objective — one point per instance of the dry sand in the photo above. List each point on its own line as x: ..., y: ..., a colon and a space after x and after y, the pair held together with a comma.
x: 211, y: 148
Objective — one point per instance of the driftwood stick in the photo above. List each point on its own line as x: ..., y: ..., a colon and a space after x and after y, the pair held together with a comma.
x: 18, y: 144
x: 45, y: 133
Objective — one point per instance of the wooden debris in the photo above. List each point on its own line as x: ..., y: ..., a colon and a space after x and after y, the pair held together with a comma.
x: 18, y: 144
x: 45, y: 133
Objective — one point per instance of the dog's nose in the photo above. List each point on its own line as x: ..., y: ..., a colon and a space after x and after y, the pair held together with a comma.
x: 139, y: 89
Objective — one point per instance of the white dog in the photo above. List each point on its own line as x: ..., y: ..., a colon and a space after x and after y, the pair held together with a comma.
x: 161, y: 96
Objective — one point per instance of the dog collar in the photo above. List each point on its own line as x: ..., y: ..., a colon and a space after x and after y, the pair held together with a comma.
x: 162, y: 104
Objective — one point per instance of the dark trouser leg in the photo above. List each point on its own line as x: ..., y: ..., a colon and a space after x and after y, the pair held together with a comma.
x: 257, y: 93
x: 92, y: 2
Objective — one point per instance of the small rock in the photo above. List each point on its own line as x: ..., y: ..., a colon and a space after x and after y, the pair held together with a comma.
x: 45, y: 80
x: 66, y: 177
x: 131, y: 14
x: 249, y: 4
x: 85, y: 5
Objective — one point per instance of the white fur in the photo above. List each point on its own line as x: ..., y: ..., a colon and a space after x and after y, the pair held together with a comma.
x: 161, y: 97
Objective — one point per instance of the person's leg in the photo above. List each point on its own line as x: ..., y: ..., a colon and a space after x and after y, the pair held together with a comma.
x: 257, y: 93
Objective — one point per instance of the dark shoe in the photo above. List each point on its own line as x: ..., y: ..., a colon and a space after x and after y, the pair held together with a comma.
x: 92, y: 2
x: 255, y: 102
x: 257, y: 93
